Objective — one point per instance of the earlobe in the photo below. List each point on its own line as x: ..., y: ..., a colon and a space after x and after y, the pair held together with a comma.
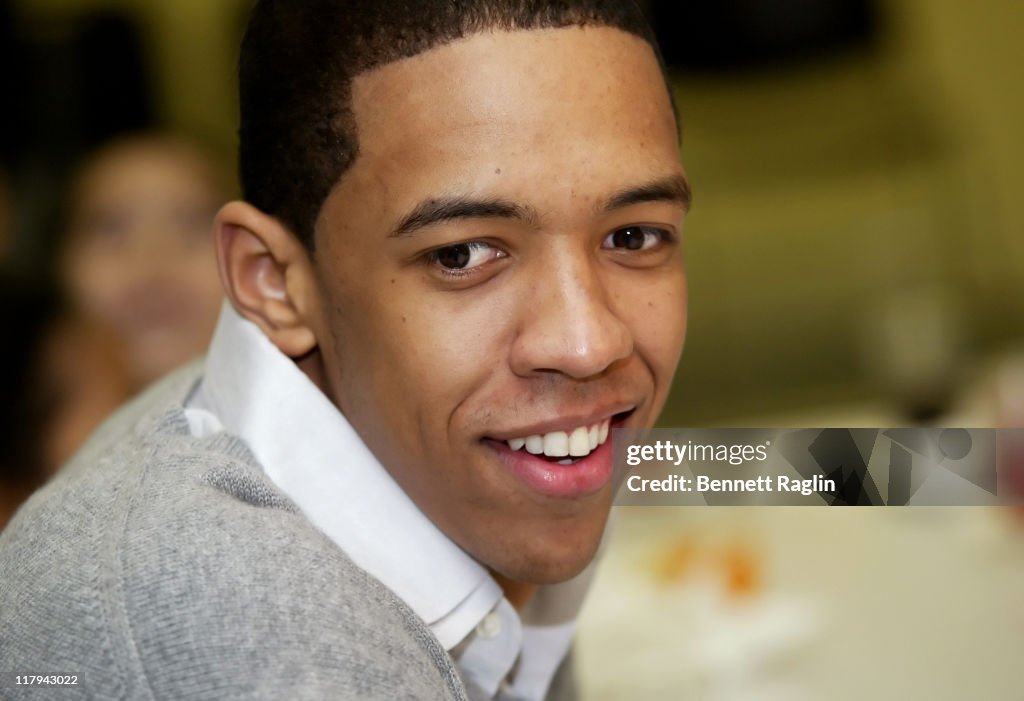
x: 267, y: 276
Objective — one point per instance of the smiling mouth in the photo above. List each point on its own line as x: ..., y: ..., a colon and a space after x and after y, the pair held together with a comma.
x: 577, y: 443
x: 569, y: 464
x: 567, y: 447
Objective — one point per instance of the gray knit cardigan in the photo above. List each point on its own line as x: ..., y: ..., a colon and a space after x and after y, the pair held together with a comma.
x: 162, y: 566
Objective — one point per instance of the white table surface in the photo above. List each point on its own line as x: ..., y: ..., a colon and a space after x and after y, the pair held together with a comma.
x: 852, y: 603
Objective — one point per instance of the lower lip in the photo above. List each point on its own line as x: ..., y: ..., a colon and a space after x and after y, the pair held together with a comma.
x: 585, y: 476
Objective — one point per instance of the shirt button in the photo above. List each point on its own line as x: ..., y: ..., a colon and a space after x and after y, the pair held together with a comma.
x: 490, y: 627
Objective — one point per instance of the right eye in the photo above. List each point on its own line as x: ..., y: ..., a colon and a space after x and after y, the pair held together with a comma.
x: 636, y: 238
x: 464, y: 257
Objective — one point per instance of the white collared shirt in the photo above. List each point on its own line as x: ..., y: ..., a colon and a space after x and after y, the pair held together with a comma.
x: 311, y: 452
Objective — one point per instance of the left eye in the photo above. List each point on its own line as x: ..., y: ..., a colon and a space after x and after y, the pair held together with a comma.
x: 464, y: 256
x: 634, y: 238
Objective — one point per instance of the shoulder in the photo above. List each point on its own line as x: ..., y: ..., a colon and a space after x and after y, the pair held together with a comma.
x: 159, y: 564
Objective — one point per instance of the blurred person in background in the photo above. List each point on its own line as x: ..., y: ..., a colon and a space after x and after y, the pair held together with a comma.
x: 61, y: 376
x: 138, y: 295
x: 137, y: 253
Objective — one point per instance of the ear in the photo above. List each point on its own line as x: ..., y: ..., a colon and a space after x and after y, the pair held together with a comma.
x: 268, y: 276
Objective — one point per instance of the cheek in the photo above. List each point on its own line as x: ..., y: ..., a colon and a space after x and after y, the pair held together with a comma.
x: 436, y: 349
x: 658, y: 319
x: 408, y: 361
x: 455, y: 339
x: 99, y: 281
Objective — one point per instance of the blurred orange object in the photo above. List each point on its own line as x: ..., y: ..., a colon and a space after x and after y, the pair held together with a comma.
x: 742, y: 570
x: 678, y: 562
x: 734, y: 564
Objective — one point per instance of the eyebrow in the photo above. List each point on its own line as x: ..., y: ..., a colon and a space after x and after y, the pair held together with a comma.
x: 442, y: 209
x: 675, y: 188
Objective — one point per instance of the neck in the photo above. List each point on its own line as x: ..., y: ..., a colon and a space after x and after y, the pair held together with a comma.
x: 311, y: 365
x: 517, y: 593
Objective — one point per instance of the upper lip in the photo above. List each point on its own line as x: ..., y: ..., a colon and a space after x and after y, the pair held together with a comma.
x: 563, y: 422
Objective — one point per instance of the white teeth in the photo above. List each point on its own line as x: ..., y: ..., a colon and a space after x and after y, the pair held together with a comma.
x: 556, y: 444
x: 535, y: 445
x: 577, y: 443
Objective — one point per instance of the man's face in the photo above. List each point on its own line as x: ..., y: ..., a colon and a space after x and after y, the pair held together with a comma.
x: 503, y: 262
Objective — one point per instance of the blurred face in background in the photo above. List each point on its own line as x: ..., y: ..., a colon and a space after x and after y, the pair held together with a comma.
x: 139, y: 252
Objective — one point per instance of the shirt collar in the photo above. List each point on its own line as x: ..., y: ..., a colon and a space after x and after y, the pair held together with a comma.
x: 308, y: 448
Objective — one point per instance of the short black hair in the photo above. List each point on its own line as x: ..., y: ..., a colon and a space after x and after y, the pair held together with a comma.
x: 297, y: 133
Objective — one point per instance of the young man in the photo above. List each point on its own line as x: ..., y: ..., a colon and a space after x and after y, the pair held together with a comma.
x: 456, y: 268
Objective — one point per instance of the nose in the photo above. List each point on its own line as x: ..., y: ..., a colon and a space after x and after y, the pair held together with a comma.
x: 569, y: 325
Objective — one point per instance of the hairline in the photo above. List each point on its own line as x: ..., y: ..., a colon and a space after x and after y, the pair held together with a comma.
x: 347, y: 100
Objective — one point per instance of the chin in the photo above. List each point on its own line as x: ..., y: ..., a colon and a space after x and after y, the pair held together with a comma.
x: 536, y: 562
x: 555, y: 571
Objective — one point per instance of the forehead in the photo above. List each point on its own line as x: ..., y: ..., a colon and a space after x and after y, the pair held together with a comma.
x: 584, y: 105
